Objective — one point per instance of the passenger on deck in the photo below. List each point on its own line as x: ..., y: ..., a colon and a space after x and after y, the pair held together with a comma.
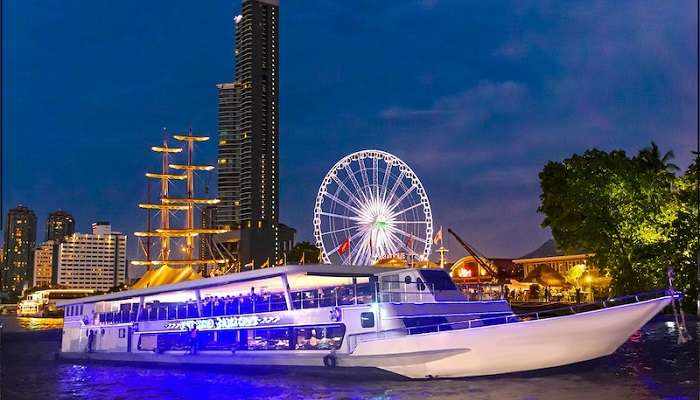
x: 193, y: 339
x: 313, y: 341
x: 91, y: 341
x: 301, y: 341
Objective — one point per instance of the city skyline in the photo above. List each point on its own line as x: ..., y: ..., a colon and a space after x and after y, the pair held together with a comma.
x: 475, y: 120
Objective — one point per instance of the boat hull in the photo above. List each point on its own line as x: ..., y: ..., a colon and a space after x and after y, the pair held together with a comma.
x: 522, y: 346
x: 489, y: 350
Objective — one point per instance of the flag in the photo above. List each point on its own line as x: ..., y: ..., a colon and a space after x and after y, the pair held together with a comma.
x: 345, y: 246
x: 409, y: 245
x: 301, y: 260
x: 266, y: 263
x: 280, y: 261
x: 438, y: 237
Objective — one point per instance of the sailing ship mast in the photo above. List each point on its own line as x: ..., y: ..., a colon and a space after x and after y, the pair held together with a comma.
x: 168, y: 205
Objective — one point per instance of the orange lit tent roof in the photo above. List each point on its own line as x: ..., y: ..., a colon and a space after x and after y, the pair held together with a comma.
x: 390, y: 262
x: 396, y: 262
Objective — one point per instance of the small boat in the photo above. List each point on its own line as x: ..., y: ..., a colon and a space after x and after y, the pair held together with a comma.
x: 412, y: 323
x: 42, y: 303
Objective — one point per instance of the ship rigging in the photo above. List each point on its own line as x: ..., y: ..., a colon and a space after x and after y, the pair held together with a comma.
x: 170, y: 205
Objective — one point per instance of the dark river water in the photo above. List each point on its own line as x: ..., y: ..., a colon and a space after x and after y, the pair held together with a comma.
x: 651, y: 365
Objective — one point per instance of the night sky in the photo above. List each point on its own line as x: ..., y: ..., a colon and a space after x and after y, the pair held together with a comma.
x: 476, y: 96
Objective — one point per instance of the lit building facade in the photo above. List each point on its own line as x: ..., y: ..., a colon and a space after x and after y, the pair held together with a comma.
x: 43, y: 264
x: 248, y: 124
x: 20, y: 241
x: 93, y: 261
x: 561, y: 264
x: 469, y: 270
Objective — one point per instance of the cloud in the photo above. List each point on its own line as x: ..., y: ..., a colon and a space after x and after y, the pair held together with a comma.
x: 606, y: 75
x: 428, y: 4
x: 466, y: 108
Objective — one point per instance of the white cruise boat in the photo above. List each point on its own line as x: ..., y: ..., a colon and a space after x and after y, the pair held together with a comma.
x: 42, y: 303
x: 409, y: 322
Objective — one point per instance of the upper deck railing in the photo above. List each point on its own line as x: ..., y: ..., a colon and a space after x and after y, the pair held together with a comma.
x: 347, y: 295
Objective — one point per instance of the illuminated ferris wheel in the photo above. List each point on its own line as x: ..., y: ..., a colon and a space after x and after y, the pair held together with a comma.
x: 371, y: 206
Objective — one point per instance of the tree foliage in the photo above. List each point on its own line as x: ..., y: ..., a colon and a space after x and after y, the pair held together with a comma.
x: 634, y: 213
x: 310, y: 251
x: 574, y: 274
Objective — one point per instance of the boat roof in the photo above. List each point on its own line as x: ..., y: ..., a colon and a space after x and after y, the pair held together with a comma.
x: 65, y: 291
x: 314, y: 269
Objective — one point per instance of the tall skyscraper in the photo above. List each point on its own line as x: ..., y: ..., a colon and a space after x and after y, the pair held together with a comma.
x: 93, y: 261
x: 59, y: 224
x: 20, y: 240
x: 248, y: 178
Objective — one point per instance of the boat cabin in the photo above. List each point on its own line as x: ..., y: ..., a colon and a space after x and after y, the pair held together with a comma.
x: 296, y: 307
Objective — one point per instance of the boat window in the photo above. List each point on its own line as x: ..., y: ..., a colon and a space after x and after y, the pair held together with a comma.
x: 389, y: 282
x: 365, y: 292
x: 147, y: 342
x: 438, y: 280
x: 68, y: 311
x: 269, y: 339
x: 407, y: 279
x: 81, y: 309
x: 367, y: 319
x: 419, y: 284
x: 326, y: 337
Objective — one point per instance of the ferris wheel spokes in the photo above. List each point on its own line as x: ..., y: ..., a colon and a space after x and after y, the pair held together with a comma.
x: 354, y: 182
x: 340, y: 216
x: 396, y: 214
x: 383, y: 209
x: 343, y: 203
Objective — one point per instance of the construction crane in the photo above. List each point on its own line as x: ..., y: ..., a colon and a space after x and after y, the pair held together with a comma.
x: 472, y: 253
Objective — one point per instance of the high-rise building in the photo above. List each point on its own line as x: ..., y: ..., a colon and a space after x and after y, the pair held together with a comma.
x: 20, y: 240
x: 286, y: 238
x: 207, y: 221
x: 43, y: 261
x: 93, y: 261
x: 248, y: 175
x: 59, y: 224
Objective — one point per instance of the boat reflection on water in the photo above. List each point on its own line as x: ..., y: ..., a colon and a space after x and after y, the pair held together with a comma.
x: 653, y: 366
x: 39, y: 324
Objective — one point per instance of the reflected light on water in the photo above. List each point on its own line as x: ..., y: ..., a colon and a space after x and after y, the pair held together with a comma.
x: 651, y: 365
x: 636, y: 337
x: 39, y: 324
x: 670, y: 326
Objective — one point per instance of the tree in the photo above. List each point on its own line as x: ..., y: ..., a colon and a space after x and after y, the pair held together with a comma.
x: 310, y: 251
x: 632, y: 212
x: 684, y: 251
x: 575, y: 273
